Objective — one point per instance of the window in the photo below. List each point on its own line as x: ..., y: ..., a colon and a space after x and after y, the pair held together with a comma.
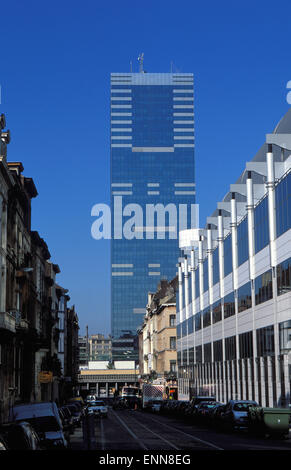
x: 227, y: 255
x: 261, y: 221
x: 265, y: 341
x: 198, y: 353
x: 190, y: 325
x: 179, y: 331
x: 207, y: 352
x: 191, y: 355
x: 216, y: 311
x: 283, y: 205
x: 230, y: 348
x: 197, y: 320
x: 246, y: 345
x: 245, y: 297
x: 263, y: 287
x: 229, y: 305
x: 173, y: 342
x: 173, y: 366
x: 205, y: 275
x: 285, y: 337
x: 215, y: 259
x: 206, y: 317
x: 172, y: 320
x: 217, y: 350
x: 243, y: 241
x: 284, y: 277
x: 184, y: 328
x: 197, y: 288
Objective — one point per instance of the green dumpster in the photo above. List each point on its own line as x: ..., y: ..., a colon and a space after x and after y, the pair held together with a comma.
x: 272, y: 421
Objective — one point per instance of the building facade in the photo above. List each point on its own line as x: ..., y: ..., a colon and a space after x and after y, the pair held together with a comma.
x: 153, y: 183
x: 29, y: 328
x: 158, y: 334
x: 100, y: 348
x: 234, y: 320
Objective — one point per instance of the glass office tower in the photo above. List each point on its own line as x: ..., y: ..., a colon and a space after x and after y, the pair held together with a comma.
x: 152, y: 163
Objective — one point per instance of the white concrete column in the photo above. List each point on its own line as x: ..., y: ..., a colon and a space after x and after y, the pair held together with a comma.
x: 180, y: 284
x: 107, y: 391
x: 263, y: 384
x: 228, y: 380
x: 186, y: 283
x: 239, y: 381
x: 271, y: 204
x: 250, y: 379
x: 193, y: 290
x: 251, y: 240
x: 251, y: 224
x: 233, y: 226
x: 201, y: 288
x: 233, y: 366
x: 97, y: 389
x: 270, y: 382
x: 243, y: 379
x: 286, y: 374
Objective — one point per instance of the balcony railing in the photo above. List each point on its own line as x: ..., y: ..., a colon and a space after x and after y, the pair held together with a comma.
x: 7, y: 322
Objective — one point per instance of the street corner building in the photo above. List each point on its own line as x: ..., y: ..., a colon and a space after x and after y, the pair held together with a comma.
x: 38, y: 333
x: 152, y: 163
x: 234, y: 314
x: 157, y: 334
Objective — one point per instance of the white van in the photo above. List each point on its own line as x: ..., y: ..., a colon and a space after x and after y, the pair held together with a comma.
x: 45, y: 419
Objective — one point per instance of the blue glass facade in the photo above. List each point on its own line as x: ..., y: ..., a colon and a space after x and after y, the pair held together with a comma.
x: 152, y: 162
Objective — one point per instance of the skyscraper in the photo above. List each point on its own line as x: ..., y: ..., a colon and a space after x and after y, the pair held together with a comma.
x: 152, y: 190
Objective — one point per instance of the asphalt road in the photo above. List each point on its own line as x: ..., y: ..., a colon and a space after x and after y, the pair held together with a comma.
x: 136, y: 430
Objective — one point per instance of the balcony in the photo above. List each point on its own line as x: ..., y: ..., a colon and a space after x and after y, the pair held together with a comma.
x: 7, y: 322
x: 20, y: 323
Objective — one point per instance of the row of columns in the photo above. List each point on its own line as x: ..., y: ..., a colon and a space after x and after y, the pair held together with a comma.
x: 183, y: 270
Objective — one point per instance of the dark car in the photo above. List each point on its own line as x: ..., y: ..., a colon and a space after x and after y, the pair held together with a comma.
x: 20, y: 436
x: 75, y: 412
x: 203, y: 413
x: 215, y: 415
x: 182, y: 407
x: 67, y: 419
x: 3, y: 443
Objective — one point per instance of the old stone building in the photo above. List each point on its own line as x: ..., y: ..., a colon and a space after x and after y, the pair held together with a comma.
x: 157, y: 336
x: 29, y: 295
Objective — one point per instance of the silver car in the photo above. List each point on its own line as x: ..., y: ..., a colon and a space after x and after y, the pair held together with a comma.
x: 235, y: 414
x: 98, y: 407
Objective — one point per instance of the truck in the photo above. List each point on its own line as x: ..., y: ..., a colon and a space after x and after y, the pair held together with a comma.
x: 152, y: 393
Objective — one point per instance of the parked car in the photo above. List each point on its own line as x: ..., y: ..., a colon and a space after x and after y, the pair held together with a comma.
x: 76, y: 413
x: 20, y: 436
x: 182, y: 407
x: 215, y: 415
x: 45, y: 419
x: 98, y: 407
x: 67, y: 419
x: 235, y: 415
x: 90, y: 399
x: 154, y: 406
x: 78, y: 400
x: 3, y: 444
x: 203, y: 411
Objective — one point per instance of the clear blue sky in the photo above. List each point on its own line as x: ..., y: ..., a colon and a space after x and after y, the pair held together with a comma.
x: 56, y: 58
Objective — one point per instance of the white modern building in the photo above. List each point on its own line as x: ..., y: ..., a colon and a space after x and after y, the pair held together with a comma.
x: 234, y: 313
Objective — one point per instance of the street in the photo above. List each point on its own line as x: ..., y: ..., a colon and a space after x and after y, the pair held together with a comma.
x: 136, y: 430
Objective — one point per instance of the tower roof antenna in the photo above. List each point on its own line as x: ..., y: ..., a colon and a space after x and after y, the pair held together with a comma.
x: 140, y: 59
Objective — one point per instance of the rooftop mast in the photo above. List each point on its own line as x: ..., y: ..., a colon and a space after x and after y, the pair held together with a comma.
x: 140, y: 59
